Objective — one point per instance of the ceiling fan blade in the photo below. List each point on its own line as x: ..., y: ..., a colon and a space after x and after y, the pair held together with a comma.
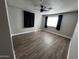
x: 42, y: 10
x: 49, y: 8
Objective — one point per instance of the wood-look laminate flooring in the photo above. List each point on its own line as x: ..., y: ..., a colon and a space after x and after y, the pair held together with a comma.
x: 40, y: 45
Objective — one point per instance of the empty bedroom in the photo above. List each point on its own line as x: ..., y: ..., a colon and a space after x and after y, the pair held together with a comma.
x: 43, y: 29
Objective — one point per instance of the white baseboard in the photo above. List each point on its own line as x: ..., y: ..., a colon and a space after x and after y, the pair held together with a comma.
x: 39, y: 30
x: 25, y: 32
x: 59, y: 34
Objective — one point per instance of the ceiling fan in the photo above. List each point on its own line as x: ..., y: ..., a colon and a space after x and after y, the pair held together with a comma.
x: 43, y: 7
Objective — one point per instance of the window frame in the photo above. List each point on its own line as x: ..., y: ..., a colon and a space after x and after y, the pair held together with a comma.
x: 56, y: 22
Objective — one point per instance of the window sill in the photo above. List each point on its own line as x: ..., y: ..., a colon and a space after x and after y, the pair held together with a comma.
x: 50, y: 27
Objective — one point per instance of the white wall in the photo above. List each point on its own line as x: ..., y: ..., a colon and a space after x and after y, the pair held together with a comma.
x: 5, y: 38
x: 73, y: 48
x: 16, y: 20
x: 68, y: 24
x: 15, y: 9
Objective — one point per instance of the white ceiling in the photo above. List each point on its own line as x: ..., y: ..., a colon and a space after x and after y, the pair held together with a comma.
x: 58, y: 6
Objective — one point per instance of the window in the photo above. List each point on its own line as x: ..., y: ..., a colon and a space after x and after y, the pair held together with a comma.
x: 52, y: 21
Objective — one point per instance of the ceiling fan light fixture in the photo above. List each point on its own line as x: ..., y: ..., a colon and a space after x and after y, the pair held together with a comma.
x: 43, y: 7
